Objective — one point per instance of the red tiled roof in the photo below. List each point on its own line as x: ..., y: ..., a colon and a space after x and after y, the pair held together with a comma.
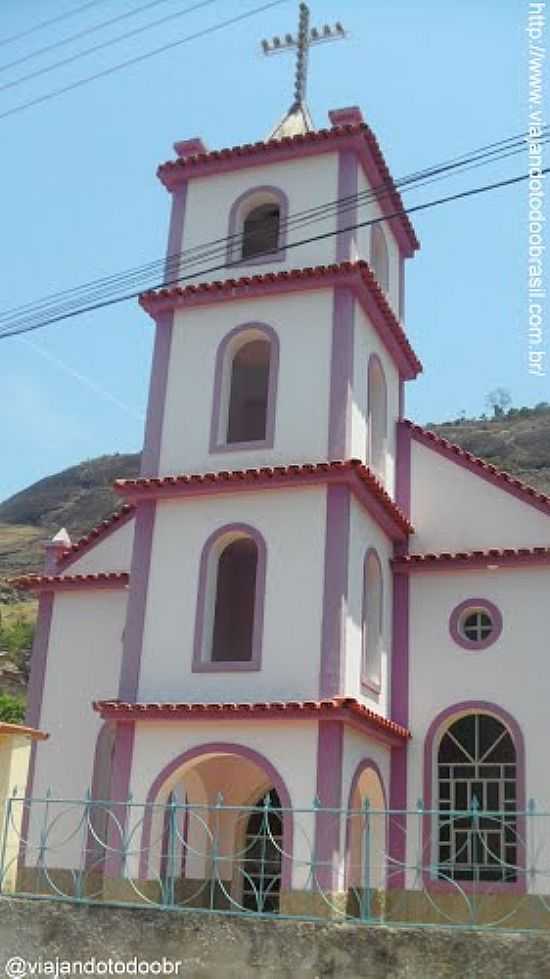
x: 45, y: 582
x: 23, y: 730
x: 337, y: 708
x: 496, y: 476
x: 356, y: 274
x: 269, y: 477
x: 360, y: 135
x: 493, y: 557
x: 97, y: 533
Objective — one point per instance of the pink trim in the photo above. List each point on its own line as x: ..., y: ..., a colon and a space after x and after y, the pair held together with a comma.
x: 99, y: 533
x: 475, y: 603
x: 351, y: 115
x: 335, y: 592
x: 121, y: 771
x: 137, y: 600
x: 345, y: 709
x: 354, y: 275
x: 222, y: 747
x: 399, y: 674
x: 341, y: 374
x: 490, y: 473
x: 235, y: 230
x: 216, y: 445
x: 401, y: 290
x: 495, y: 559
x: 368, y: 685
x: 346, y: 214
x: 375, y: 362
x: 357, y: 138
x: 102, y: 580
x: 366, y: 487
x: 200, y: 665
x: 401, y: 399
x: 174, y: 246
x: 364, y: 766
x: 330, y: 748
x: 440, y: 725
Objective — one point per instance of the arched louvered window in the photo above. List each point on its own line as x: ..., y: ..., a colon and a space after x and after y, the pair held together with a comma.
x: 232, y: 636
x: 379, y: 257
x: 377, y: 417
x: 249, y: 392
x: 477, y: 801
x: 260, y: 234
x: 372, y: 621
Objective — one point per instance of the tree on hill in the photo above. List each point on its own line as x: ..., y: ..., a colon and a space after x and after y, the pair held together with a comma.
x: 499, y: 400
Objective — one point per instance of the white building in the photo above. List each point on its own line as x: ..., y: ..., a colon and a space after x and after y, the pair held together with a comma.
x: 305, y: 593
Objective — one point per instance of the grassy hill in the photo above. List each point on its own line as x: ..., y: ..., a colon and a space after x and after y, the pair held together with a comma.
x: 80, y: 497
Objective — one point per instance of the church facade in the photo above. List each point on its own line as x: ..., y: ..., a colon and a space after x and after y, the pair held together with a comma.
x: 304, y: 593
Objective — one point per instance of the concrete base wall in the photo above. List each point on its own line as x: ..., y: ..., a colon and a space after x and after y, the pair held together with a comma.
x: 236, y: 948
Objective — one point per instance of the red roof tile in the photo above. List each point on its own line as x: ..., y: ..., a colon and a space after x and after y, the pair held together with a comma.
x: 322, y: 140
x: 23, y: 731
x: 501, y: 557
x: 337, y: 708
x: 496, y: 476
x: 45, y: 582
x: 97, y: 533
x: 352, y: 471
x: 357, y: 275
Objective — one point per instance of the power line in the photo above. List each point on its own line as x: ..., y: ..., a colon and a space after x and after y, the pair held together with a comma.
x: 83, y: 33
x: 139, y: 58
x: 322, y: 236
x: 48, y: 23
x: 108, y: 43
x: 52, y: 307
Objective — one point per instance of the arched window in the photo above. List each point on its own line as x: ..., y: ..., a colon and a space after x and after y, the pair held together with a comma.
x: 257, y: 227
x: 249, y: 390
x: 245, y: 384
x: 379, y: 257
x: 372, y: 621
x: 260, y: 865
x: 228, y: 627
x: 261, y: 231
x: 477, y: 801
x: 377, y: 417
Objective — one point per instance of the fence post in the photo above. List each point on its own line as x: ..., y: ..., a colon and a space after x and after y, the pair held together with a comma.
x: 366, y: 899
x: 215, y: 850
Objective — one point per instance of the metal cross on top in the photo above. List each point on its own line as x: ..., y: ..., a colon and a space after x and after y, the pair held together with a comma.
x: 302, y: 42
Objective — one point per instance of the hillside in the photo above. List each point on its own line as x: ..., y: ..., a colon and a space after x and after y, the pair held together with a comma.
x: 80, y: 497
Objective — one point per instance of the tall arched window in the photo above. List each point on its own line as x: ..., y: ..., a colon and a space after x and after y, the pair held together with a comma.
x: 249, y: 390
x: 377, y: 417
x: 477, y: 801
x: 372, y: 621
x: 261, y: 231
x: 379, y: 257
x: 245, y: 386
x: 235, y: 597
x: 228, y: 626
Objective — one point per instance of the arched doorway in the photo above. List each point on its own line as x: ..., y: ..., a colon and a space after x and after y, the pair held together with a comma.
x: 366, y: 841
x: 218, y: 831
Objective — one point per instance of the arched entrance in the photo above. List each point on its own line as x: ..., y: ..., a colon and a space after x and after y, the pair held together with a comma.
x: 217, y: 830
x: 366, y: 840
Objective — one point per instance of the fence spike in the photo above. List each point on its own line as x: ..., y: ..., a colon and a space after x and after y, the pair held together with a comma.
x: 531, y: 806
x: 420, y: 805
x: 219, y: 799
x: 316, y: 802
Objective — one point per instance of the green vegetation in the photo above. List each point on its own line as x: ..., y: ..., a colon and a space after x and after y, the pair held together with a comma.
x: 12, y: 709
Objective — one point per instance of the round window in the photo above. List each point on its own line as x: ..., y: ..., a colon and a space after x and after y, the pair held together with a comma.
x: 475, y: 624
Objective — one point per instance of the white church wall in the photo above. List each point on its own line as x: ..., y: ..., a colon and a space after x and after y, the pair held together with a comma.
x: 292, y: 523
x: 507, y: 674
x: 368, y: 212
x: 367, y: 342
x: 306, y: 183
x: 290, y: 748
x: 364, y: 534
x: 455, y: 510
x: 303, y: 324
x: 113, y: 553
x: 83, y: 665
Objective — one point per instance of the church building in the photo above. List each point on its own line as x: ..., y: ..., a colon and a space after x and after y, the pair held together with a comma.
x: 304, y: 594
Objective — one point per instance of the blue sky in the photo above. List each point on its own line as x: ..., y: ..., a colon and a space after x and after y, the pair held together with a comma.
x: 80, y: 199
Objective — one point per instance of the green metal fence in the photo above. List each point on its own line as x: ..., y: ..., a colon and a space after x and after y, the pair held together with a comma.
x: 468, y: 868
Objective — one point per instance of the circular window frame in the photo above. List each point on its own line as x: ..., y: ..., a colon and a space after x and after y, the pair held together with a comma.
x: 467, y: 607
